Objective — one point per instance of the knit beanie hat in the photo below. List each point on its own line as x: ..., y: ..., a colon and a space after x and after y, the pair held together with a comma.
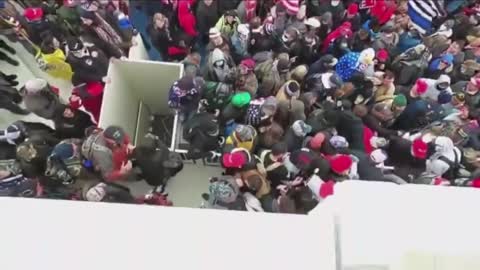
x: 35, y: 85
x: 458, y: 98
x: 249, y: 63
x: 338, y: 142
x: 115, y: 133
x: 292, y: 88
x: 213, y: 33
x: 244, y: 132
x: 300, y: 128
x: 419, y: 148
x: 444, y: 97
x: 241, y: 99
x: 283, y: 65
x: 382, y: 55
x: 269, y: 106
x: 341, y: 163
x: 400, y: 101
x: 421, y: 87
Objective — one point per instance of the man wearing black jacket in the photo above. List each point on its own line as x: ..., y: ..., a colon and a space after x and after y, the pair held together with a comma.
x: 71, y: 123
x: 89, y: 63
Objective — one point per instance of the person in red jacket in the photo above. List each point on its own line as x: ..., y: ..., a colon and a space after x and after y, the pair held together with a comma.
x: 186, y: 18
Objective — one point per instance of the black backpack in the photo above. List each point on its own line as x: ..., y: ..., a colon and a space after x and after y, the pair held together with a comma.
x: 454, y: 168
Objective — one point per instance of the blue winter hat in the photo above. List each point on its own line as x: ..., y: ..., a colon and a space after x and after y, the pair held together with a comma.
x: 444, y: 97
x: 63, y: 151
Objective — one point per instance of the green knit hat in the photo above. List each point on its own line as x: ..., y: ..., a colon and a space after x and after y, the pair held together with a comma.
x: 400, y: 100
x: 241, y: 99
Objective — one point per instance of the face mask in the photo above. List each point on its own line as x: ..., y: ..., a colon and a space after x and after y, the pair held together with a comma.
x: 219, y: 64
x: 285, y: 38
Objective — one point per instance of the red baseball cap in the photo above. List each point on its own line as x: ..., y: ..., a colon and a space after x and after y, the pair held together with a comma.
x: 234, y: 160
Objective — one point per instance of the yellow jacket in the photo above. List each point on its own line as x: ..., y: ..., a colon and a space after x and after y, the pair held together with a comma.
x: 54, y: 64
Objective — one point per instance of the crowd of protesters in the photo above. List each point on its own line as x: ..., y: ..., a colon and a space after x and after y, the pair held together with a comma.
x: 290, y: 97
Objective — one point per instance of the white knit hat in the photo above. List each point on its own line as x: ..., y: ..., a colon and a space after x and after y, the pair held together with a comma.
x: 213, y: 33
x: 313, y: 22
x: 35, y: 85
x: 243, y: 29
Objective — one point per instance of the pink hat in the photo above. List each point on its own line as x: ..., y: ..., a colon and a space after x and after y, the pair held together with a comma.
x: 419, y: 148
x: 382, y: 55
x: 33, y: 14
x: 234, y: 160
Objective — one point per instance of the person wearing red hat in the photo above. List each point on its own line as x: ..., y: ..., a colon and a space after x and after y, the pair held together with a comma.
x: 246, y: 80
x: 89, y: 96
x: 353, y: 16
x: 340, y: 165
x: 36, y: 26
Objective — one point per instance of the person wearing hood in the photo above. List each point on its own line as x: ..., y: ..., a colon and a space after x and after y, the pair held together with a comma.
x: 219, y: 67
x: 290, y: 90
x: 435, y: 87
x: 207, y: 17
x: 228, y: 23
x: 159, y: 32
x: 445, y: 161
x: 440, y: 66
x: 186, y: 18
x: 224, y: 194
x: 246, y: 79
x: 240, y: 41
x: 296, y: 134
x: 387, y: 39
x: 272, y: 74
x: 89, y: 63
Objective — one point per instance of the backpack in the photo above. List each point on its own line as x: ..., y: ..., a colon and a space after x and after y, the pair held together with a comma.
x: 217, y: 94
x: 90, y: 145
x: 15, y: 184
x: 453, y: 171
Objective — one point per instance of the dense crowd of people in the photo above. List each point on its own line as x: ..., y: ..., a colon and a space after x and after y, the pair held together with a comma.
x: 289, y: 96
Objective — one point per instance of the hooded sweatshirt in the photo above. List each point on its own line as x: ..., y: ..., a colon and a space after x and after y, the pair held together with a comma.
x: 446, y: 154
x: 433, y: 91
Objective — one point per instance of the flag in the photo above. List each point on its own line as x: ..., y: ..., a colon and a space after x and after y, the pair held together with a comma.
x: 423, y: 12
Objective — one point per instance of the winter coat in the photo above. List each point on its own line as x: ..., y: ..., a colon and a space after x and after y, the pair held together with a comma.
x: 269, y: 78
x: 160, y: 38
x: 225, y: 28
x: 186, y: 18
x: 263, y: 187
x: 240, y: 47
x: 207, y: 17
x: 432, y: 91
x: 247, y: 83
x: 219, y: 73
x: 378, y: 126
x: 445, y: 158
x: 351, y: 127
x: 43, y: 103
x: 74, y: 127
x: 407, y: 41
x: 89, y: 68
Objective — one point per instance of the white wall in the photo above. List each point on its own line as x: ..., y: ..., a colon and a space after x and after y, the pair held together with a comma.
x: 120, y: 103
x: 59, y: 235
x: 151, y: 81
x: 407, y: 227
